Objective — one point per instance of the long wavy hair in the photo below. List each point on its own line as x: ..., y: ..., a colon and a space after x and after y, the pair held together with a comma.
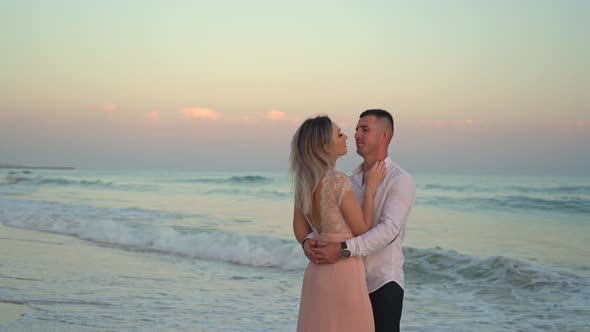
x: 309, y: 158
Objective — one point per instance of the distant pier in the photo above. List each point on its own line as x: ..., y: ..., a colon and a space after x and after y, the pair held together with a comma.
x: 7, y: 166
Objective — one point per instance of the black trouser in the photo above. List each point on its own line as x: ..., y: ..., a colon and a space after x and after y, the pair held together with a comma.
x: 387, y: 307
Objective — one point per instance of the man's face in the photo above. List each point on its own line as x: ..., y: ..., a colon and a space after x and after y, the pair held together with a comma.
x: 367, y: 135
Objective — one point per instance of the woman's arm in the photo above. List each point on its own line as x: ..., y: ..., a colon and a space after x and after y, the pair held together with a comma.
x: 360, y: 217
x: 300, y: 226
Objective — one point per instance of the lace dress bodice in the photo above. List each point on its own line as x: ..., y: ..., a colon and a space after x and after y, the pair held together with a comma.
x: 334, y: 185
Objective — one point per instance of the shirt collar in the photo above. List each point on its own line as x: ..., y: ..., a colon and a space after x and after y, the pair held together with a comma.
x: 357, y: 174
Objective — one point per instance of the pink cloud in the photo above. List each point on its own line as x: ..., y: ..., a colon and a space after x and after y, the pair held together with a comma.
x: 200, y: 113
x: 276, y: 115
x: 464, y: 123
x: 249, y: 119
x: 109, y: 107
x: 582, y: 124
x: 153, y: 116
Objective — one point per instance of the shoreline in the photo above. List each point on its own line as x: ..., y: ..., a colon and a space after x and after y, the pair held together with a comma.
x: 10, y: 312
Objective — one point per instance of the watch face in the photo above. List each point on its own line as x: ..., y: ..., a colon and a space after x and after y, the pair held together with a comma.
x: 345, y: 253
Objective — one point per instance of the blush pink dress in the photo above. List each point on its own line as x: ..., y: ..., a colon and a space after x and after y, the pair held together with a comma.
x: 334, y: 296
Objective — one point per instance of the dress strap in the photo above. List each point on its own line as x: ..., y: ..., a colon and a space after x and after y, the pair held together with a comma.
x: 311, y: 225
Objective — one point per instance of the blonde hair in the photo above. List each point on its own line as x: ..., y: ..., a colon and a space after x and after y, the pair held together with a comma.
x: 309, y: 159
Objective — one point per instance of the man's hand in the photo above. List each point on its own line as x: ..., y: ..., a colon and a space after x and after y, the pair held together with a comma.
x: 325, y: 252
x: 307, y: 248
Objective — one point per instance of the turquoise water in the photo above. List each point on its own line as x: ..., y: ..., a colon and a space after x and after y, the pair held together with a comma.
x: 495, y: 253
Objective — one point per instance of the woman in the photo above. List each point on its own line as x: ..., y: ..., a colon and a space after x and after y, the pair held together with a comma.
x: 334, y: 296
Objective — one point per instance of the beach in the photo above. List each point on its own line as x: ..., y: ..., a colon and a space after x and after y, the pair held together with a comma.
x: 147, y: 151
x: 32, y: 260
x: 213, y: 251
x: 11, y: 311
x: 11, y: 243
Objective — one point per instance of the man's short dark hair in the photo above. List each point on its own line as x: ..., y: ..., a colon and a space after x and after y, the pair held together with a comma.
x: 380, y: 114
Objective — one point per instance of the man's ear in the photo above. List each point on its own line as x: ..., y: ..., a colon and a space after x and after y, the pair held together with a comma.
x: 386, y: 136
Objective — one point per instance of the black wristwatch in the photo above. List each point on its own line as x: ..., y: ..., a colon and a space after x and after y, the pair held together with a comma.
x: 344, y: 253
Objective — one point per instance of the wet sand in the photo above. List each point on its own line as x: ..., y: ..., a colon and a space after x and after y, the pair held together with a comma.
x: 10, y: 311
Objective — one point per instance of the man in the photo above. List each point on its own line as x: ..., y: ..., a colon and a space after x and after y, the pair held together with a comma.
x: 381, y: 246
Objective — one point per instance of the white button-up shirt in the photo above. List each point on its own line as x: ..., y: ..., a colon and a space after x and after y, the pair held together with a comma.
x: 381, y: 246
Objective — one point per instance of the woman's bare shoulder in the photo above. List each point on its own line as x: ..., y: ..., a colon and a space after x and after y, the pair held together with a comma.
x: 337, y: 174
x: 337, y: 177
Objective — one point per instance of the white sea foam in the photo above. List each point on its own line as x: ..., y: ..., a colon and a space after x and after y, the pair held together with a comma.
x: 133, y: 228
x: 122, y: 227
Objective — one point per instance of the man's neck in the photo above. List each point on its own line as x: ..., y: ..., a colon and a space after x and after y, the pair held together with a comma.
x: 369, y: 161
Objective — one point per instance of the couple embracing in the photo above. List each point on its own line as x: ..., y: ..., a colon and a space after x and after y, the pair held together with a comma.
x: 350, y: 228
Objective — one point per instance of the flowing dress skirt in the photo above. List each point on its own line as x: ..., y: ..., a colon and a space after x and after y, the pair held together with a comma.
x: 335, y: 296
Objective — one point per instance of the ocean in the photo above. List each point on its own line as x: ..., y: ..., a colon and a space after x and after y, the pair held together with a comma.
x: 214, y: 251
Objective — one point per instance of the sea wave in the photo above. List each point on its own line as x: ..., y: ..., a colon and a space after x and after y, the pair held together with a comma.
x: 437, y: 265
x: 245, y: 179
x: 127, y: 229
x: 250, y: 193
x: 561, y: 204
x: 563, y: 190
x: 544, y: 190
x: 15, y: 179
x: 454, y: 188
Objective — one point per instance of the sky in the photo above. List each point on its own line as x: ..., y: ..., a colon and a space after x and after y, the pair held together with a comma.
x: 474, y: 86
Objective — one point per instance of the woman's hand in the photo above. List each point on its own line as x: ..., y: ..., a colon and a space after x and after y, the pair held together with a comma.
x: 373, y: 177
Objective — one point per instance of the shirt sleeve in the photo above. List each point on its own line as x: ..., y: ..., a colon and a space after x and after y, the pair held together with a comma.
x: 400, y: 196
